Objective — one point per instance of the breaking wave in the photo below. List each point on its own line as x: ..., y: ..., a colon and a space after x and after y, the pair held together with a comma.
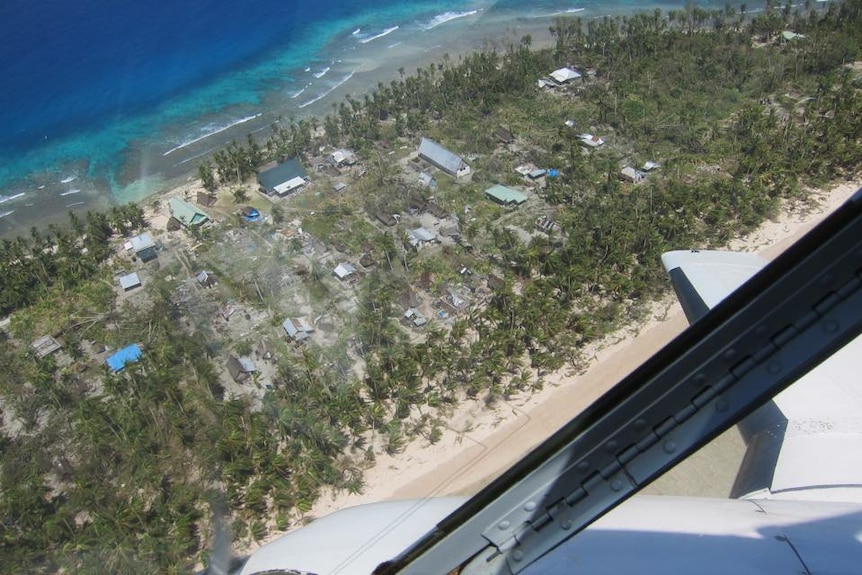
x: 386, y: 32
x: 446, y: 17
x: 212, y: 133
x: 322, y: 95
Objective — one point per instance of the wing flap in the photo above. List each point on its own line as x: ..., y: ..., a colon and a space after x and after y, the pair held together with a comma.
x: 807, y: 443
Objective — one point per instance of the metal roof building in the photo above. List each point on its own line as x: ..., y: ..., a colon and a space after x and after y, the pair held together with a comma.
x: 297, y: 328
x: 282, y: 179
x: 505, y: 196
x: 434, y: 153
x: 45, y: 345
x: 144, y: 247
x: 240, y: 368
x: 130, y: 281
x: 564, y: 75
x: 187, y: 214
x: 344, y: 271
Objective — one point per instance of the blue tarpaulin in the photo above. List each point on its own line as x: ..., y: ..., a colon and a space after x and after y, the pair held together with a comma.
x: 251, y: 215
x: 128, y: 354
x: 553, y: 173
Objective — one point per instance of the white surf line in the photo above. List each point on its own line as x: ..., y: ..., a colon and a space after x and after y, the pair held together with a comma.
x: 564, y: 12
x: 213, y: 133
x: 71, y: 192
x: 447, y: 17
x: 4, y: 199
x: 386, y: 32
x: 195, y: 157
x: 328, y: 92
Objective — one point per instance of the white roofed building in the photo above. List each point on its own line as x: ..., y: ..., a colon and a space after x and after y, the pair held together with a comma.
x: 565, y: 75
x: 344, y: 270
x: 591, y: 140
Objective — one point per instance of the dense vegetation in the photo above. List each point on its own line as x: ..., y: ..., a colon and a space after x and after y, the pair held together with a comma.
x: 117, y: 472
x: 60, y: 257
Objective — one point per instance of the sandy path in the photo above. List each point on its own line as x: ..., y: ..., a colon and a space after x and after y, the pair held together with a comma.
x: 482, y: 443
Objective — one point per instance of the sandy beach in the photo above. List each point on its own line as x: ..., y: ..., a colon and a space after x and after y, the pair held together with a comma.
x: 481, y: 443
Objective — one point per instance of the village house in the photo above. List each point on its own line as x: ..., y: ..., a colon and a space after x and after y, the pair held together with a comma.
x: 504, y: 135
x: 533, y: 176
x: 206, y: 279
x: 298, y: 328
x: 186, y: 214
x: 241, y: 368
x: 436, y: 210
x: 281, y: 179
x: 420, y: 237
x: 631, y: 175
x: 344, y: 271
x: 130, y: 281
x: 415, y: 317
x: 454, y: 302
x: 427, y: 180
x: 227, y: 310
x: 505, y: 196
x: 437, y: 155
x: 206, y: 199
x: 546, y: 224
x: 143, y: 247
x: 341, y: 158
x: 45, y: 345
x: 591, y: 140
x: 564, y: 76
x: 386, y: 219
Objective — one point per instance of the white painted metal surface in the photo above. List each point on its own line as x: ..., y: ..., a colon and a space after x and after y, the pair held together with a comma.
x: 675, y: 535
x: 353, y: 541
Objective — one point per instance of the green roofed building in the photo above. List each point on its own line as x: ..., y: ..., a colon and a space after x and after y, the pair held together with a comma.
x: 187, y: 214
x: 283, y: 178
x: 505, y: 196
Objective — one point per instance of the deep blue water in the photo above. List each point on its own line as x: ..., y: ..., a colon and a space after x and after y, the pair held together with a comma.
x: 100, y: 100
x: 69, y: 64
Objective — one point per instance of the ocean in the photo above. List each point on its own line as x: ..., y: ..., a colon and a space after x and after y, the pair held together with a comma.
x: 110, y: 102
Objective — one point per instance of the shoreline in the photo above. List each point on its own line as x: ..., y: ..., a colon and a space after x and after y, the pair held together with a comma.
x: 479, y: 443
x: 148, y: 166
x: 151, y: 168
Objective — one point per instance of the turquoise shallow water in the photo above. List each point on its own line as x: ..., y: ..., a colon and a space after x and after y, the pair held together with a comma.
x: 105, y: 102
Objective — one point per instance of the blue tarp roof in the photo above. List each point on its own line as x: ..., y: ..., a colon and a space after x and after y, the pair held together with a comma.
x: 128, y: 354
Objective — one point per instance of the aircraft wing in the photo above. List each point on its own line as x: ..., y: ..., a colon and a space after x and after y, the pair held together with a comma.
x: 807, y: 443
